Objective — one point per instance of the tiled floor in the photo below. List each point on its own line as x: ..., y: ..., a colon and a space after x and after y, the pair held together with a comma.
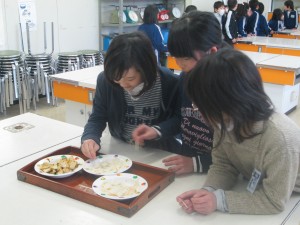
x: 58, y: 112
x: 43, y: 109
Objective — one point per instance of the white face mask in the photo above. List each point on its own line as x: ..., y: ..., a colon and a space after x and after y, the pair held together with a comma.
x: 135, y: 91
x: 221, y: 12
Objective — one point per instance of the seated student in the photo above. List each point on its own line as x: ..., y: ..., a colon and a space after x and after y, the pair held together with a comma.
x: 276, y: 22
x: 230, y: 29
x: 251, y: 139
x: 203, y: 31
x: 290, y: 15
x: 153, y: 31
x: 131, y: 91
x: 243, y: 11
x: 262, y: 27
x: 252, y: 21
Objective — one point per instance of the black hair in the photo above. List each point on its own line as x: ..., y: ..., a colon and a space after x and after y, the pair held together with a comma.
x: 195, y: 31
x: 261, y: 8
x: 228, y: 83
x: 289, y: 3
x: 150, y: 14
x: 218, y: 4
x: 253, y: 4
x: 277, y: 14
x: 190, y: 8
x: 231, y: 4
x: 127, y: 51
x: 241, y: 10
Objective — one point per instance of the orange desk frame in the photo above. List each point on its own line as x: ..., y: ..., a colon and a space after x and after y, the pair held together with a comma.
x: 261, y: 48
x: 268, y: 75
x: 72, y: 92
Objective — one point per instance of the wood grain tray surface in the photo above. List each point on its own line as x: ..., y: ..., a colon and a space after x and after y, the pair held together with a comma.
x: 79, y: 185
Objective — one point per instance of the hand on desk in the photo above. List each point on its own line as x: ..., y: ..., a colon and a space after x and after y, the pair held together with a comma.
x: 89, y: 148
x: 201, y: 201
x: 179, y: 164
x: 142, y: 133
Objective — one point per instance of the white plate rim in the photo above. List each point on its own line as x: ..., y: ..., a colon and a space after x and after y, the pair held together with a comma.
x: 124, y: 158
x: 57, y: 157
x: 96, y: 186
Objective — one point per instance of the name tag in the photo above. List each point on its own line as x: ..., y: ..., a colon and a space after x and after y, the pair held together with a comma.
x: 292, y: 16
x: 255, y: 177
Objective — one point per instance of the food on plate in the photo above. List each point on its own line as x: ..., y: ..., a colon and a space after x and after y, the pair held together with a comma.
x: 107, y: 166
x: 63, y: 165
x: 120, y: 188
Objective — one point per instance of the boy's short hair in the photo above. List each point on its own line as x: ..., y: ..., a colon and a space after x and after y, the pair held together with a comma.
x: 261, y: 8
x: 190, y: 8
x: 231, y: 3
x: 290, y: 4
x: 253, y: 4
x: 218, y: 4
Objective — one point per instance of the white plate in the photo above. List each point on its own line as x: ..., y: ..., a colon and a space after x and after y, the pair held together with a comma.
x: 120, y: 186
x: 54, y: 159
x: 107, y: 165
x: 176, y: 12
x: 133, y: 16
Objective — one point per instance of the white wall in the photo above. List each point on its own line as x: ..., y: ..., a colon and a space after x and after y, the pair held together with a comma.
x: 2, y: 27
x: 76, y: 25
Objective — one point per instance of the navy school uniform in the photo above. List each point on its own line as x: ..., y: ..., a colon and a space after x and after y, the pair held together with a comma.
x: 252, y: 23
x: 241, y: 23
x: 276, y: 25
x: 230, y: 29
x: 262, y: 27
x: 291, y: 19
x: 153, y: 31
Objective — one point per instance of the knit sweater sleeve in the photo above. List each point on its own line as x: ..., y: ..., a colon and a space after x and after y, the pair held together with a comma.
x: 222, y: 174
x: 278, y: 182
x: 276, y: 157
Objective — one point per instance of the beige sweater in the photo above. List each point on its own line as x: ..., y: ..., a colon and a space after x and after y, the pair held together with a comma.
x: 275, y: 153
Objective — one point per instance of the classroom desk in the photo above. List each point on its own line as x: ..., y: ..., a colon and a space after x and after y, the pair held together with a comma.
x: 25, y: 204
x: 280, y: 79
x: 78, y: 90
x: 269, y: 45
x: 39, y: 133
x: 281, y: 75
x: 297, y: 34
x: 286, y: 33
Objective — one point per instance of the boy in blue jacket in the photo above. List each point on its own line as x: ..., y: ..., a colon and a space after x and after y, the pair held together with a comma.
x: 230, y: 29
x: 290, y: 15
x: 262, y: 28
x: 252, y: 21
x: 242, y: 13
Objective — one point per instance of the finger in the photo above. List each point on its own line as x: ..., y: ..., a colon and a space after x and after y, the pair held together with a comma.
x: 171, y: 163
x: 174, y: 169
x: 187, y: 194
x: 91, y: 150
x: 171, y: 158
x: 84, y: 150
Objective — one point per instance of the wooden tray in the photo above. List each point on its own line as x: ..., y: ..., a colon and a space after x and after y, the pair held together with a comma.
x: 79, y: 185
